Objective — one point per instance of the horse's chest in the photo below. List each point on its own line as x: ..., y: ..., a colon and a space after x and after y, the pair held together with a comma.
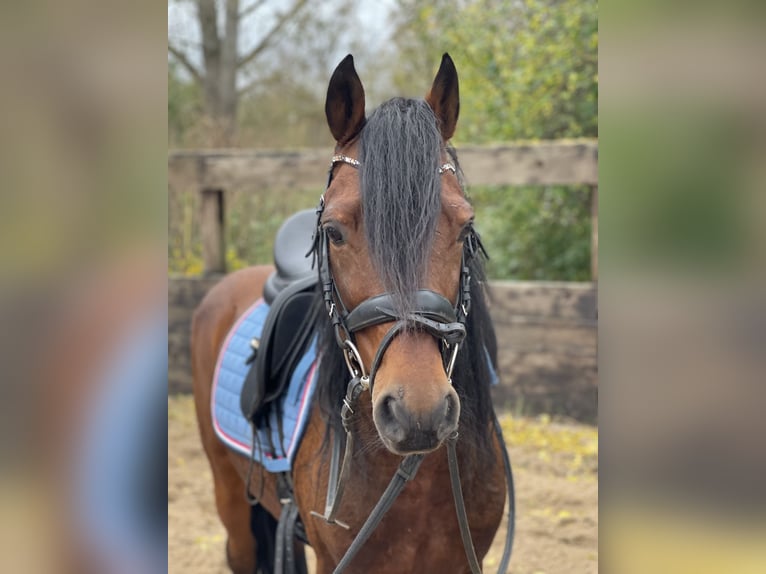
x: 420, y: 533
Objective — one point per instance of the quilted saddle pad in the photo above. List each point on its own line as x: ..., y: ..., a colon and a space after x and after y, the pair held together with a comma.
x: 293, y: 407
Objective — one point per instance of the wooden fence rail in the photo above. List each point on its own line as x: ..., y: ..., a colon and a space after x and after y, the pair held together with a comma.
x: 212, y: 172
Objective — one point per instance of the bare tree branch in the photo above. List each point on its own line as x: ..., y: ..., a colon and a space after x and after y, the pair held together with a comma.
x: 182, y: 59
x: 184, y: 44
x: 245, y: 12
x: 266, y: 40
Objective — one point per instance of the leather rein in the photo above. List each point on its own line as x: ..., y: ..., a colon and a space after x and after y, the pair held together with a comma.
x: 433, y: 314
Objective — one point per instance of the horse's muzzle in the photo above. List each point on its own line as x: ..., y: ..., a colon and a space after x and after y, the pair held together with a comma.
x: 406, y: 431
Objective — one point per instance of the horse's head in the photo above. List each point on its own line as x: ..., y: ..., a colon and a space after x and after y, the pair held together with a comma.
x: 395, y: 224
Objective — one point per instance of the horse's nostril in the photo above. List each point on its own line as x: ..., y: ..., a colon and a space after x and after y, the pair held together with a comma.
x: 448, y: 424
x: 453, y: 410
x: 386, y: 411
x: 405, y: 430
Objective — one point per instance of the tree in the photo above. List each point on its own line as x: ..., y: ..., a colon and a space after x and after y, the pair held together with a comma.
x: 184, y: 105
x: 222, y: 60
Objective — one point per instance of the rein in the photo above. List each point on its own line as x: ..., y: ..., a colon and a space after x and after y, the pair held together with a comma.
x: 433, y: 314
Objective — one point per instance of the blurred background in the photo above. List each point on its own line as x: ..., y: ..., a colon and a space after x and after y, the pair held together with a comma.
x: 249, y: 145
x: 246, y: 90
x: 93, y: 217
x: 528, y: 71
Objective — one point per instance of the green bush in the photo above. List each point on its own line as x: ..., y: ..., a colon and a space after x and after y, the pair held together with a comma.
x: 528, y: 69
x: 252, y: 219
x: 534, y: 233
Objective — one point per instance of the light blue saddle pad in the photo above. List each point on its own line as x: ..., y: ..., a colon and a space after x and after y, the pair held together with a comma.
x: 230, y: 424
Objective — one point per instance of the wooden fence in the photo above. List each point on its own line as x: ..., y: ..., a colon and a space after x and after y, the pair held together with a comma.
x: 214, y: 172
x: 547, y: 331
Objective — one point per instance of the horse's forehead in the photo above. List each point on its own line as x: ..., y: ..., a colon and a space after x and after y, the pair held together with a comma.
x: 344, y: 198
x: 344, y: 194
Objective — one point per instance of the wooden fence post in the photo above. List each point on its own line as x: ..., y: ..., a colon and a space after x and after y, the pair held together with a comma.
x: 212, y: 231
x: 594, y: 233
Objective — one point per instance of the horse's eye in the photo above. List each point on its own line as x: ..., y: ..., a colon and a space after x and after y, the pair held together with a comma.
x: 334, y: 234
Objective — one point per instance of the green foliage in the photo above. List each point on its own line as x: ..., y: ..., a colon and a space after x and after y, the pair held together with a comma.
x: 528, y: 69
x: 252, y: 220
x: 184, y: 106
x: 535, y: 233
x: 284, y: 116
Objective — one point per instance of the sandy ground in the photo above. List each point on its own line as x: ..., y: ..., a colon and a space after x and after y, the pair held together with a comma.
x: 555, y: 469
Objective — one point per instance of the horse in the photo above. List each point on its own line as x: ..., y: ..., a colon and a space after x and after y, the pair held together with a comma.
x: 397, y: 255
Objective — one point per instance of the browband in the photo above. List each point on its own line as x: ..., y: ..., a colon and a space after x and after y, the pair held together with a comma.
x: 340, y: 158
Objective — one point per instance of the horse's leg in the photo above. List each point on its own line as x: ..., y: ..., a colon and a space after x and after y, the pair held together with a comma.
x: 233, y: 508
x: 212, y: 320
x: 234, y: 512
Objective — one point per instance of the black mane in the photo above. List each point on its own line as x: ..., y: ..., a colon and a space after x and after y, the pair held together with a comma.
x: 401, y: 202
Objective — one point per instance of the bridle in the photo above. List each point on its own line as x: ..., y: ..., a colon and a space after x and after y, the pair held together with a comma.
x: 433, y: 314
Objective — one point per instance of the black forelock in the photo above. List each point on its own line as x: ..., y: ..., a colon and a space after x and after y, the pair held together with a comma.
x: 400, y: 153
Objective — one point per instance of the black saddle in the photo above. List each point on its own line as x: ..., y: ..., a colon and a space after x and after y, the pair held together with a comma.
x: 292, y: 242
x: 289, y: 325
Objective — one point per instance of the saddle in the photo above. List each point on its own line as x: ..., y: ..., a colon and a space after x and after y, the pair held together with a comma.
x: 288, y: 329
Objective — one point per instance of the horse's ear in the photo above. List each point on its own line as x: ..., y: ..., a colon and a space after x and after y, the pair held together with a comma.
x: 344, y: 107
x: 444, y: 97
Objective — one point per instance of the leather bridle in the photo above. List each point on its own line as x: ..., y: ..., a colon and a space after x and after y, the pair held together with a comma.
x: 433, y: 314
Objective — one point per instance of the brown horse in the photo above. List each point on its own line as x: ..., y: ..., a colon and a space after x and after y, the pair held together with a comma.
x: 394, y: 220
